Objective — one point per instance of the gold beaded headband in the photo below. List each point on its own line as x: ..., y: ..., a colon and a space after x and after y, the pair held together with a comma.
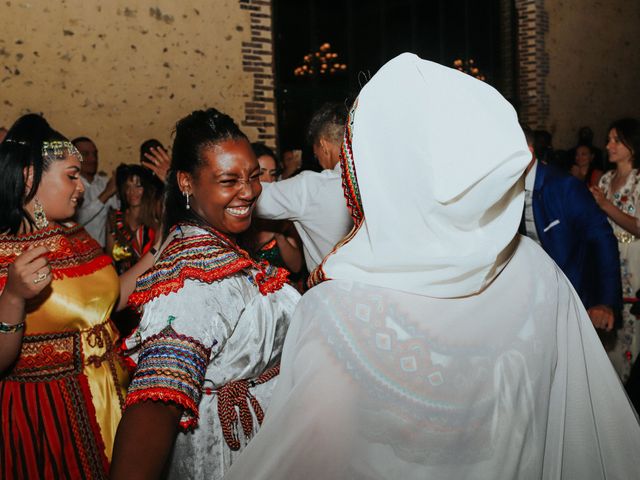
x: 58, y: 150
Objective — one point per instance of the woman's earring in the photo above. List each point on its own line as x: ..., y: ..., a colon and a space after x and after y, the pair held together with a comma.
x: 186, y: 195
x: 38, y: 215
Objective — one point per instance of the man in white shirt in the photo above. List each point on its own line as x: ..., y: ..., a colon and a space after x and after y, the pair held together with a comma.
x: 99, y: 192
x: 314, y: 201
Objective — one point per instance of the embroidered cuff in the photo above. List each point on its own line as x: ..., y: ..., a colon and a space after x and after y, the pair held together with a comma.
x: 171, y: 369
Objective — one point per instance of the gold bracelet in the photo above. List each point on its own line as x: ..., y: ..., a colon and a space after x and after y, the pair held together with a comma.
x: 11, y: 328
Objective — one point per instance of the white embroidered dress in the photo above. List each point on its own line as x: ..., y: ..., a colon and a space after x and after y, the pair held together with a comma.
x: 233, y: 332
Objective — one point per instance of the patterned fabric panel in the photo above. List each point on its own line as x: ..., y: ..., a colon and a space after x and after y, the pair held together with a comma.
x: 171, y: 369
x: 49, y: 430
x: 205, y: 257
x: 349, y: 177
x: 47, y: 357
x: 72, y: 251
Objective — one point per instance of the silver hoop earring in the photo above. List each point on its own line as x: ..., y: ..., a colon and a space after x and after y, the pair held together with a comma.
x: 186, y: 196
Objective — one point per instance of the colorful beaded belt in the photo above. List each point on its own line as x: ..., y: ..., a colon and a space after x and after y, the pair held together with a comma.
x: 237, y: 394
x: 53, y: 356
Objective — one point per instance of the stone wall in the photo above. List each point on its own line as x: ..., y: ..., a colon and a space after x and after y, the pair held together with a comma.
x: 578, y: 65
x: 594, y: 65
x: 123, y: 71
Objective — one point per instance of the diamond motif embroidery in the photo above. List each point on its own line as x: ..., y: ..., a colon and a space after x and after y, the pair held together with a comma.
x: 363, y: 312
x: 383, y: 341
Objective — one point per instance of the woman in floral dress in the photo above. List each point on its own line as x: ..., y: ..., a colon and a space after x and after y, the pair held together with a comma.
x: 618, y: 194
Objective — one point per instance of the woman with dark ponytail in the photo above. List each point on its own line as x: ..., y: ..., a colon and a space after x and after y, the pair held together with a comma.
x: 213, y: 319
x: 62, y: 384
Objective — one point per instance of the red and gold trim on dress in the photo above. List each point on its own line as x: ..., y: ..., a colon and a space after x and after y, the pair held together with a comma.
x: 351, y: 193
x: 207, y: 257
x: 72, y: 251
x: 349, y: 177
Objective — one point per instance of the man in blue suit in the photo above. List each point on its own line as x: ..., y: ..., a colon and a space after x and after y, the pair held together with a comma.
x: 562, y: 216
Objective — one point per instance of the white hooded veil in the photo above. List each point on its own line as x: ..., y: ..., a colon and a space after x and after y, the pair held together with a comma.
x: 446, y: 346
x: 439, y: 155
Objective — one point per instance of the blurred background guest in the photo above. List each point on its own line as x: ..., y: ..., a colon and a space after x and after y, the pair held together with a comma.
x: 543, y: 146
x: 618, y: 194
x: 275, y: 241
x: 99, y: 191
x: 154, y: 157
x: 292, y: 163
x: 585, y: 137
x: 132, y: 229
x: 583, y: 167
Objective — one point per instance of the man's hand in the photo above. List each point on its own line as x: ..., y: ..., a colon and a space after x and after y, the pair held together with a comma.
x: 110, y: 189
x: 602, y: 317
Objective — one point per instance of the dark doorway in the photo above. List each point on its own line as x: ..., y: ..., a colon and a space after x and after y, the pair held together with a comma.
x: 367, y: 33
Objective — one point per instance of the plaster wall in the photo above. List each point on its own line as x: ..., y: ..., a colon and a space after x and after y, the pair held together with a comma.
x: 122, y: 71
x: 593, y: 48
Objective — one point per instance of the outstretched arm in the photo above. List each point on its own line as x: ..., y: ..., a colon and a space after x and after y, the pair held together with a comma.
x: 144, y: 440
x: 626, y: 221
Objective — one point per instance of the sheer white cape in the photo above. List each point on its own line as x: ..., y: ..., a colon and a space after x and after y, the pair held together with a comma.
x: 446, y: 346
x: 382, y: 384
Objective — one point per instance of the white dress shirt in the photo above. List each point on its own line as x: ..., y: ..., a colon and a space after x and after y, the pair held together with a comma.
x: 529, y: 222
x: 92, y: 214
x: 315, y: 203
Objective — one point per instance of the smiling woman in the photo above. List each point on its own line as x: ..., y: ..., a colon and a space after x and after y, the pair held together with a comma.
x: 132, y: 229
x: 213, y: 320
x: 61, y: 376
x: 226, y: 186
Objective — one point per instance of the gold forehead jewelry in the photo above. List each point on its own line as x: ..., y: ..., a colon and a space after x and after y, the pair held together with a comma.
x: 58, y: 150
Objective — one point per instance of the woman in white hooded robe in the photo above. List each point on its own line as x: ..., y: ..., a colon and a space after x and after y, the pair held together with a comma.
x: 439, y: 343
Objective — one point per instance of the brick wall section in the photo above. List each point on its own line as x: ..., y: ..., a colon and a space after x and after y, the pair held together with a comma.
x: 507, y: 84
x: 533, y: 62
x: 257, y: 61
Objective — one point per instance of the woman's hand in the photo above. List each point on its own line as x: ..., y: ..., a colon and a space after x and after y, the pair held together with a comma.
x: 599, y: 197
x: 29, y: 274
x: 158, y: 162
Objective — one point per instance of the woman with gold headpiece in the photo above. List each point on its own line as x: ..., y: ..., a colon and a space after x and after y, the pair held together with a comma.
x: 62, y: 382
x: 440, y: 343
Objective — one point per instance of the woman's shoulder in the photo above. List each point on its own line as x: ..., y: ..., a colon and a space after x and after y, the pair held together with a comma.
x: 190, y: 253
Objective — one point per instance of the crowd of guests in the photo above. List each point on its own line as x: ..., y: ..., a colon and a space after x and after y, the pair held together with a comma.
x: 594, y: 237
x: 144, y: 313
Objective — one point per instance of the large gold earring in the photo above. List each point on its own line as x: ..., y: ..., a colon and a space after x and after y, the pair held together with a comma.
x: 39, y: 217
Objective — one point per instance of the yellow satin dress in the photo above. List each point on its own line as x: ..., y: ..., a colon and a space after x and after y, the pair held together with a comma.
x: 62, y: 400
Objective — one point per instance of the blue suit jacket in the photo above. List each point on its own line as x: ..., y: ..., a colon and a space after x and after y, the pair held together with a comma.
x: 575, y: 232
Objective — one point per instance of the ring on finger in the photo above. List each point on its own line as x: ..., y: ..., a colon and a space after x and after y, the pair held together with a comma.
x: 41, y: 276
